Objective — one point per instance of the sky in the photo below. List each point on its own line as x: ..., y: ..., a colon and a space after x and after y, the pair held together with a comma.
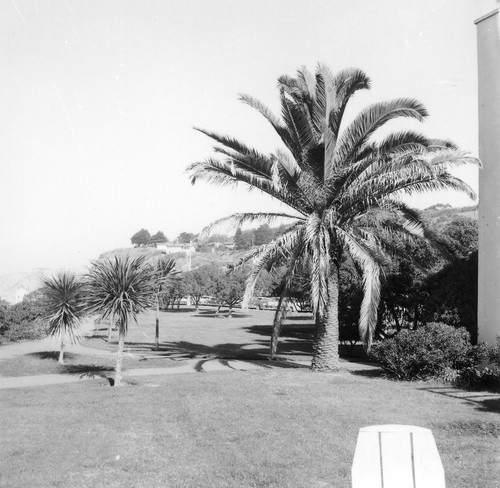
x: 99, y: 100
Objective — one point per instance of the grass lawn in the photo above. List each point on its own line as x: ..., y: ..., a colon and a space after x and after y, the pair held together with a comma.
x: 263, y: 428
x: 190, y: 333
x: 270, y: 428
x: 46, y: 363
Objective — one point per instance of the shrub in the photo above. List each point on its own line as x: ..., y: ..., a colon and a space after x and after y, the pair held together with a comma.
x: 429, y: 351
x: 485, y: 373
x: 25, y: 331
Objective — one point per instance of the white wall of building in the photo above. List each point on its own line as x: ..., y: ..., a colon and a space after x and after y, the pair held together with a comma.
x: 488, y: 37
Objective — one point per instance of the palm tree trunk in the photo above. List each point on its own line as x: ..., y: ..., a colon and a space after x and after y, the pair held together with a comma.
x: 157, y: 328
x: 274, y: 339
x: 119, y: 357
x: 61, y: 353
x: 111, y: 318
x: 326, y: 341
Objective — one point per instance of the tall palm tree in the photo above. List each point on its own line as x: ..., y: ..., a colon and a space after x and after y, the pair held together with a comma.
x: 334, y: 177
x: 64, y: 308
x: 164, y: 272
x: 120, y: 287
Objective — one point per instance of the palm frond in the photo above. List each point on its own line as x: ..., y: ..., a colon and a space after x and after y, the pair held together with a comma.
x: 222, y: 173
x: 164, y: 273
x: 276, y: 123
x: 297, y: 121
x: 277, y: 251
x: 232, y: 222
x: 64, y: 296
x: 371, y: 119
x: 371, y: 285
x: 121, y: 286
x: 346, y: 82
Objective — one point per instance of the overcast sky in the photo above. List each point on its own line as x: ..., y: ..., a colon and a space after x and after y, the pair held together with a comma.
x: 99, y: 99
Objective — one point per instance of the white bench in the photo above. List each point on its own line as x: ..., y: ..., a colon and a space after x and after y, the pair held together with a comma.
x: 396, y: 456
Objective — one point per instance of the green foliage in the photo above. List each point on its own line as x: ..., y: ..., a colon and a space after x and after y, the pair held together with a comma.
x: 121, y: 287
x: 485, y: 373
x: 450, y: 295
x: 461, y: 236
x: 426, y: 352
x: 141, y: 238
x: 64, y: 306
x: 158, y: 238
x: 263, y: 235
x: 23, y: 321
x: 25, y: 330
x: 174, y: 291
x: 334, y: 183
x: 186, y: 237
x: 240, y: 242
x: 422, y: 285
x: 199, y: 282
x: 163, y: 273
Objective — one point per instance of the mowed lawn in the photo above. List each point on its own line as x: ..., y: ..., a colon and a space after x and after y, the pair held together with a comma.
x: 185, y: 332
x: 274, y: 427
x: 270, y: 428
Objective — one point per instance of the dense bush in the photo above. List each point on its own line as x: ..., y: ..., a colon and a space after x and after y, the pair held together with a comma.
x: 25, y: 331
x: 426, y: 352
x: 21, y: 321
x: 485, y: 373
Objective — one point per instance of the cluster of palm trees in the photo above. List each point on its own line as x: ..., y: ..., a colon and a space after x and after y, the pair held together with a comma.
x: 343, y: 184
x: 117, y: 288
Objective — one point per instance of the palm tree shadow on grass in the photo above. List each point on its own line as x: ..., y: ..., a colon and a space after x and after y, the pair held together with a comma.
x: 82, y: 370
x: 181, y: 350
x: 221, y: 315
x: 54, y: 355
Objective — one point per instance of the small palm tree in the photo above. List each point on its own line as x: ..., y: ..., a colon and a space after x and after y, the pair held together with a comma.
x: 64, y: 308
x: 121, y: 287
x: 164, y: 272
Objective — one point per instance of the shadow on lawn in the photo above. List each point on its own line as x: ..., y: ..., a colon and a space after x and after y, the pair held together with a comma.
x: 221, y: 315
x: 483, y: 401
x: 53, y: 355
x: 180, y: 350
x: 81, y: 370
x: 179, y: 310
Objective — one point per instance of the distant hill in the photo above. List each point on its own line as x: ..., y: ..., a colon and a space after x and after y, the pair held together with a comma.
x: 150, y: 253
x: 182, y: 260
x: 442, y: 213
x: 13, y: 287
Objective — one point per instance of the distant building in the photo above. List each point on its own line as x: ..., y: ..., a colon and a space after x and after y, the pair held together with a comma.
x: 173, y: 247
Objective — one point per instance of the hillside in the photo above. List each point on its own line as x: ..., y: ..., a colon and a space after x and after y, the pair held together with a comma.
x: 13, y: 287
x: 182, y: 260
x: 444, y: 213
